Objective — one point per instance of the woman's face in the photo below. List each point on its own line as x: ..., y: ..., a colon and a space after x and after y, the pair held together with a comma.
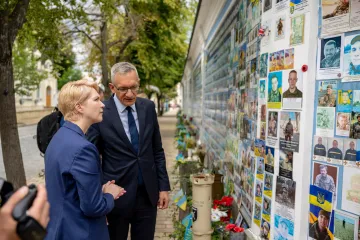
x: 93, y: 108
x: 355, y: 53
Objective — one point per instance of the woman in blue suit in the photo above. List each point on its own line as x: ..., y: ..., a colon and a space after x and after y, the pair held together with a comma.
x: 78, y: 201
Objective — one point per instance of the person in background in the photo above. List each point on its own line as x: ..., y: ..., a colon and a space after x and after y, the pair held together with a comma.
x: 101, y: 91
x: 78, y: 201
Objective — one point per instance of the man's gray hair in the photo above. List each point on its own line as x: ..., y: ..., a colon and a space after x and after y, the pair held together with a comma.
x: 122, y: 68
x: 323, y: 167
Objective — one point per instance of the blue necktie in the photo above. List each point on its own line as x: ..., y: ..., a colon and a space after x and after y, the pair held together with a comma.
x: 134, y: 139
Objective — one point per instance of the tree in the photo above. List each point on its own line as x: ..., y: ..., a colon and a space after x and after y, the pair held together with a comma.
x: 20, y: 19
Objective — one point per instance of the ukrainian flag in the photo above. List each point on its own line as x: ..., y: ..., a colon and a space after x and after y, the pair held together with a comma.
x: 182, y: 203
x: 187, y: 221
x: 177, y: 196
x: 320, y: 198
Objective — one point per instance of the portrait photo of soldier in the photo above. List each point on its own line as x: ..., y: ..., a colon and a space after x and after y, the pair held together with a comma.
x: 274, y: 94
x: 355, y: 127
x: 330, y: 52
x: 351, y: 54
x: 335, y: 147
x: 343, y: 124
x: 293, y: 91
x: 273, y: 124
x: 350, y: 152
x: 319, y: 229
x: 319, y: 148
x: 285, y: 192
x: 327, y: 94
x: 325, y: 177
x: 265, y: 230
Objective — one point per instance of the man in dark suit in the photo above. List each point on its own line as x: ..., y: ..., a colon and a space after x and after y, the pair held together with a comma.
x: 129, y: 141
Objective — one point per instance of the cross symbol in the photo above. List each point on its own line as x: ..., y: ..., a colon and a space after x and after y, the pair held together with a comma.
x: 345, y: 162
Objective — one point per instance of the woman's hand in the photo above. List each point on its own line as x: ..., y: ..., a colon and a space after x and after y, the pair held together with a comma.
x: 113, y: 189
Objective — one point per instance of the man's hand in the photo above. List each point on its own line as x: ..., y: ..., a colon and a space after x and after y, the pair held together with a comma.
x: 39, y: 211
x: 163, y: 200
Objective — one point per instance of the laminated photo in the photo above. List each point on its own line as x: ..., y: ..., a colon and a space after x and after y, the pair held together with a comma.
x: 355, y: 125
x: 269, y: 159
x: 326, y: 177
x: 266, y: 26
x: 274, y: 90
x: 285, y: 197
x: 327, y: 93
x: 262, y: 91
x: 286, y: 163
x: 289, y: 58
x: 335, y: 152
x: 266, y: 214
x: 258, y: 191
x: 351, y: 190
x: 325, y: 121
x: 335, y: 16
x: 260, y: 148
x: 280, y: 26
x: 346, y: 226
x: 343, y: 124
x: 263, y: 65
x: 293, y: 87
x: 260, y: 168
x: 297, y: 30
x: 283, y: 228
x: 257, y: 214
x: 272, y: 132
x: 290, y: 131
x: 356, y: 101
x: 265, y: 230
x: 320, y: 148
x: 321, y: 205
x: 345, y: 100
x: 351, y: 152
x: 268, y: 185
x: 330, y: 57
x: 299, y: 6
x: 352, y: 57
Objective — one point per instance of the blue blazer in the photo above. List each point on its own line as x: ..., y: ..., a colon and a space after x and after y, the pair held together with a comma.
x: 119, y: 159
x: 73, y: 181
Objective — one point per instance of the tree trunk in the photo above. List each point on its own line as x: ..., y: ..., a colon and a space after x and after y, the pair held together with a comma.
x: 10, y: 143
x: 104, y: 53
x: 160, y: 109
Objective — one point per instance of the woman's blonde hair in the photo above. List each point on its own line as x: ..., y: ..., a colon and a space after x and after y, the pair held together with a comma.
x: 74, y: 93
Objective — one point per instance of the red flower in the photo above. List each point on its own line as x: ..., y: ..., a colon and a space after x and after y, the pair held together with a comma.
x: 237, y: 229
x: 230, y: 226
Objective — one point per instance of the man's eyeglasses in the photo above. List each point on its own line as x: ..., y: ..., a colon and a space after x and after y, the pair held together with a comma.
x: 133, y: 89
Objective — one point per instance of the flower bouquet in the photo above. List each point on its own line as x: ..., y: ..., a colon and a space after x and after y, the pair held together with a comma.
x: 235, y: 232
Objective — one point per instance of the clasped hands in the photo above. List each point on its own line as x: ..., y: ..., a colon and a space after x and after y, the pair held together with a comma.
x: 115, y: 190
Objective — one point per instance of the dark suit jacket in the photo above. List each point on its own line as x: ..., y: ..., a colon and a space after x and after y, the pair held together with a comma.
x: 73, y: 181
x: 119, y: 159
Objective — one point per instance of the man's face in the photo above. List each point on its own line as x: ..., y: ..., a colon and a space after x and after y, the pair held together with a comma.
x: 323, y: 172
x: 274, y: 83
x: 335, y: 144
x: 125, y: 81
x: 355, y: 53
x: 319, y: 140
x: 352, y: 145
x: 323, y: 222
x: 329, y: 91
x: 292, y: 80
x: 329, y: 50
x: 345, y: 97
x: 342, y: 122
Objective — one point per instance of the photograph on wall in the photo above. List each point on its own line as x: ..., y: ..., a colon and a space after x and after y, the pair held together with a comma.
x: 258, y: 190
x: 285, y: 197
x: 354, y: 17
x: 276, y: 61
x: 281, y: 5
x: 266, y: 26
x: 343, y: 124
x: 257, y: 214
x: 242, y: 57
x: 299, y: 6
x: 263, y: 113
x: 269, y: 159
x: 320, y: 213
x: 351, y: 57
x: 327, y: 93
x: 283, y: 228
x: 289, y: 58
x: 262, y: 94
x: 286, y: 163
x: 260, y: 148
x: 335, y: 152
x: 274, y: 90
x: 272, y: 132
x: 263, y: 130
x: 351, y: 190
x: 325, y: 121
x: 356, y: 101
x: 335, y: 16
x: 292, y: 87
x: 345, y: 100
x: 267, y: 5
x: 345, y: 226
x: 325, y: 176
x: 268, y: 185
x: 260, y: 168
x: 330, y: 57
x: 297, y: 30
x: 320, y: 148
x: 263, y: 65
x: 355, y: 125
x: 280, y: 26
x: 351, y: 151
x: 266, y: 214
x: 265, y: 230
x: 290, y: 131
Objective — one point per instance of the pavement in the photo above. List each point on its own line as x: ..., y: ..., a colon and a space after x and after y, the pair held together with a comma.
x: 34, y: 163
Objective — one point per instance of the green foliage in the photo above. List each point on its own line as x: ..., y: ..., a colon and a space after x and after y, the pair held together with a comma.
x: 71, y: 74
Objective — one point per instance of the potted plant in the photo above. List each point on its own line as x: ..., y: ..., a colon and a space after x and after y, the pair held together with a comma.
x: 190, y: 145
